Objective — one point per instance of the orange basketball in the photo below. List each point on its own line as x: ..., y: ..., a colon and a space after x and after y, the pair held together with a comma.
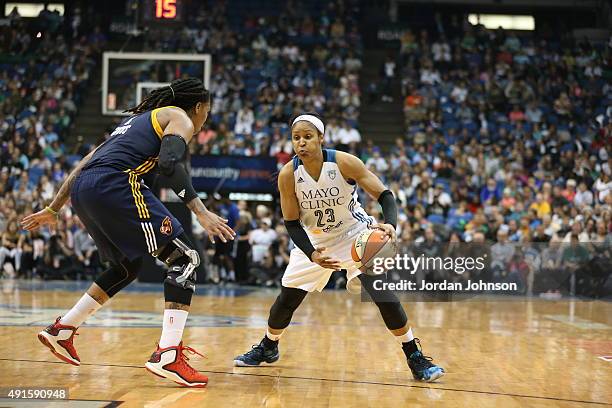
x: 370, y: 245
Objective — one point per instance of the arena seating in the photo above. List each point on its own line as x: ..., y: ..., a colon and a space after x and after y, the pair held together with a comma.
x: 502, y: 132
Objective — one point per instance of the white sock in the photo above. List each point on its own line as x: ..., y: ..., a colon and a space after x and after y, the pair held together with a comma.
x: 232, y: 276
x: 81, y: 311
x: 273, y: 337
x: 172, y: 330
x: 405, y: 338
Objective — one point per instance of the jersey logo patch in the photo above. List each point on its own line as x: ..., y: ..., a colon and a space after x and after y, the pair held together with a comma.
x: 300, y: 180
x: 182, y: 193
x: 166, y: 226
x: 331, y: 174
x: 331, y: 227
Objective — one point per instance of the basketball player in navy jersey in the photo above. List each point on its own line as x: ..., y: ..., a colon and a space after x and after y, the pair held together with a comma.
x: 128, y: 222
x: 323, y: 217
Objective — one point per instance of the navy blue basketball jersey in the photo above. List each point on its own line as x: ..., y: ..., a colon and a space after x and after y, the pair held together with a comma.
x: 132, y: 147
x: 121, y: 213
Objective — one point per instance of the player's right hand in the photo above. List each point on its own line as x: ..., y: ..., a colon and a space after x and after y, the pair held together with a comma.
x: 388, y: 229
x: 34, y: 221
x: 216, y: 226
x: 325, y: 261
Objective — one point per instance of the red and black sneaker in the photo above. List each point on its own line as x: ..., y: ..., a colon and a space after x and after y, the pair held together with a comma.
x: 59, y: 340
x: 171, y: 363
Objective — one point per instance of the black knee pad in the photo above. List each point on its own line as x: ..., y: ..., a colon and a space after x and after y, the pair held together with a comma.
x: 393, y: 314
x: 285, y: 304
x: 388, y: 304
x: 176, y: 294
x: 118, y: 276
x: 182, y: 260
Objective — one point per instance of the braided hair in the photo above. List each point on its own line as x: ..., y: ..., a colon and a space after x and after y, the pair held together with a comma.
x: 184, y: 93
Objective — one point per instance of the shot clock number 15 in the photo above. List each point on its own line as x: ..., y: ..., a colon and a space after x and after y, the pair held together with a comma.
x: 165, y: 9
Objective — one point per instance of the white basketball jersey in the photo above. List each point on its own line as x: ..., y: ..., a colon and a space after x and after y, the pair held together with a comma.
x: 328, y: 207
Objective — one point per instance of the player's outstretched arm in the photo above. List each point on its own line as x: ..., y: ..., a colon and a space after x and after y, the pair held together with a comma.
x: 48, y: 215
x: 178, y: 131
x: 291, y: 215
x: 353, y: 168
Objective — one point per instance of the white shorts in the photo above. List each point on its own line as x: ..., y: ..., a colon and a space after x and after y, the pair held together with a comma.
x: 302, y: 273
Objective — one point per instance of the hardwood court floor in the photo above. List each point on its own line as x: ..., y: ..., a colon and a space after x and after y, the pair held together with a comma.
x: 501, y: 353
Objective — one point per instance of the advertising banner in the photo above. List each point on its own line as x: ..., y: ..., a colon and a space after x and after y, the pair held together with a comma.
x: 233, y: 173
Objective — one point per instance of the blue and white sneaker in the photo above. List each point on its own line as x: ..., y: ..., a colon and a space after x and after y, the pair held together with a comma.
x: 257, y: 355
x: 422, y: 368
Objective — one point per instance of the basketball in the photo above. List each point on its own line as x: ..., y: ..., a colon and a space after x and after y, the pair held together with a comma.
x: 370, y: 245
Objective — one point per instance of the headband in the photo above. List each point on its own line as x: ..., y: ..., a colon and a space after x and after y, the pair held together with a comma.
x: 316, y: 122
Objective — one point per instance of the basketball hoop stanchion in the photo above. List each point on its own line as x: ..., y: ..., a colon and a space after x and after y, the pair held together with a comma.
x: 116, y: 64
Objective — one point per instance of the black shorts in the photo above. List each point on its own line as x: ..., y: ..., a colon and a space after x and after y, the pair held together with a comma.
x: 122, y: 215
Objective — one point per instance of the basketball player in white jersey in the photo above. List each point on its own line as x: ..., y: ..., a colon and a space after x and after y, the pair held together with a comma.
x: 323, y: 217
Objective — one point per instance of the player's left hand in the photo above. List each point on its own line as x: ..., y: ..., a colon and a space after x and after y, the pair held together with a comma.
x: 216, y: 226
x: 388, y: 229
x: 34, y: 221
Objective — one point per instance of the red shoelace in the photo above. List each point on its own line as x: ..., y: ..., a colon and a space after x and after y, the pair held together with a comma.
x: 184, y: 358
x: 74, y: 332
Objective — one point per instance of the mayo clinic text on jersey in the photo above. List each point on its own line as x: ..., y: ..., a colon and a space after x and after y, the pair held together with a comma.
x: 321, y: 198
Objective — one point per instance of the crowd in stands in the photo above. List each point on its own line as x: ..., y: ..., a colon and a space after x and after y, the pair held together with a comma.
x: 502, y: 133
x: 266, y: 69
x: 508, y: 139
x: 43, y: 75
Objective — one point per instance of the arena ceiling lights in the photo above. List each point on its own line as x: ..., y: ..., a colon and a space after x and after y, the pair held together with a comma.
x: 32, y: 9
x: 505, y: 21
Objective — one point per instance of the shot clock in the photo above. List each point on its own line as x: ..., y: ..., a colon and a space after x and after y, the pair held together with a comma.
x: 162, y: 11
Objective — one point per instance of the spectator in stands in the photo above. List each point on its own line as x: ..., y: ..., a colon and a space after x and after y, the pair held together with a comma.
x: 490, y: 192
x: 388, y: 74
x: 601, y: 234
x: 501, y: 252
x: 577, y: 232
x: 260, y: 239
x: 583, y: 196
x: 58, y: 258
x: 541, y: 205
x: 10, y: 251
x: 85, y: 251
x: 224, y: 251
x: 243, y: 230
x: 603, y: 187
x: 244, y: 121
x: 348, y: 137
x: 575, y: 254
x: 377, y: 162
x: 570, y: 190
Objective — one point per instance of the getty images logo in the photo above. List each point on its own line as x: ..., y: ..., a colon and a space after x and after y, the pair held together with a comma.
x: 412, y: 264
